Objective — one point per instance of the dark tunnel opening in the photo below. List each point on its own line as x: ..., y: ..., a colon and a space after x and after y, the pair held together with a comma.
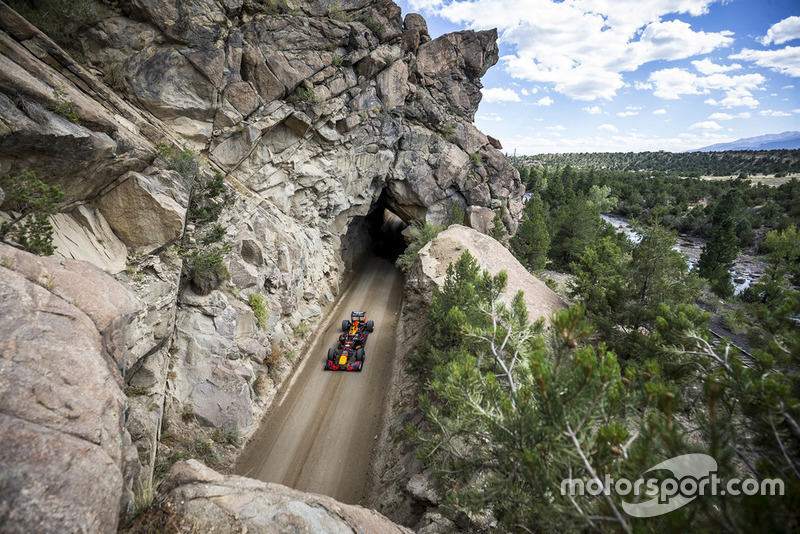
x: 379, y: 233
x: 385, y: 230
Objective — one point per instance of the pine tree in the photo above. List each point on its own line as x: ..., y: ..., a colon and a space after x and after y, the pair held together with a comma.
x: 532, y: 240
x: 717, y: 258
x: 498, y: 231
x: 36, y: 202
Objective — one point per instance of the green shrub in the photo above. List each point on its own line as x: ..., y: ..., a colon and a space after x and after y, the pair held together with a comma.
x: 64, y: 107
x: 419, y: 238
x: 303, y: 330
x: 336, y: 12
x: 277, y: 7
x: 306, y: 95
x: 373, y: 25
x: 186, y: 162
x: 35, y: 201
x: 475, y: 158
x: 457, y: 215
x: 259, y: 306
x: 206, y: 270
x: 336, y: 60
x: 114, y: 75
x: 133, y: 391
x: 215, y: 235
x: 59, y: 19
x: 448, y: 132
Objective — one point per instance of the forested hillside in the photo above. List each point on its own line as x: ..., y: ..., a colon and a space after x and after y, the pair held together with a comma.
x: 695, y: 164
x: 631, y: 375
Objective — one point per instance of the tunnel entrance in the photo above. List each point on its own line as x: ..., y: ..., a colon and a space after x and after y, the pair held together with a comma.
x: 379, y: 233
x: 385, y: 230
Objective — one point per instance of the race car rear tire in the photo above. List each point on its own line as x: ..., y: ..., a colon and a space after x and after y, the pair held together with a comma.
x: 345, y: 325
x: 370, y: 326
x: 360, y: 355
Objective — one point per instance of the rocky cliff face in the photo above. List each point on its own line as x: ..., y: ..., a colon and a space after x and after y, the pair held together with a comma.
x: 316, y: 113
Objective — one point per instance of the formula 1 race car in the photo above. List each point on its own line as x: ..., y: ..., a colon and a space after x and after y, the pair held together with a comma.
x: 345, y: 358
x: 349, y: 352
x: 358, y: 321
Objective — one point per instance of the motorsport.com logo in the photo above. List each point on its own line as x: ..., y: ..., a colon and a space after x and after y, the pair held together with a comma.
x: 693, y: 475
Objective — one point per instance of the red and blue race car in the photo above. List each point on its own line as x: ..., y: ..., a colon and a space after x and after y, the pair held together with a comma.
x: 349, y: 352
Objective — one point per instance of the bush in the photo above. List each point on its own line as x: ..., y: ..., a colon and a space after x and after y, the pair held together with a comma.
x: 64, y: 107
x: 373, y: 25
x: 259, y: 307
x: 448, y: 132
x: 35, y: 201
x: 303, y: 330
x: 475, y: 158
x: 215, y: 235
x: 186, y: 162
x: 457, y: 215
x: 206, y: 270
x: 59, y: 19
x: 306, y: 95
x: 419, y: 238
x: 114, y: 75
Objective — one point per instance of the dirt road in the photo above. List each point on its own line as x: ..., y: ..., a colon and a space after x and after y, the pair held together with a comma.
x: 320, y: 435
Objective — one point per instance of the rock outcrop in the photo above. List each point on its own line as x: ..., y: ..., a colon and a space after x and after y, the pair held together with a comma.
x: 448, y: 246
x: 66, y: 458
x: 194, y: 498
x: 316, y: 113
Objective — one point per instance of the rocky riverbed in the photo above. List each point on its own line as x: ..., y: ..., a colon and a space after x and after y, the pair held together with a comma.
x: 746, y: 269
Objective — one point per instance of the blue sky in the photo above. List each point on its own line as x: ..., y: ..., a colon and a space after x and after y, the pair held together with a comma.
x: 631, y: 75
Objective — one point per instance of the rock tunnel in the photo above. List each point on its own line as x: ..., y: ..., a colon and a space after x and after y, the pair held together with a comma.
x: 378, y: 234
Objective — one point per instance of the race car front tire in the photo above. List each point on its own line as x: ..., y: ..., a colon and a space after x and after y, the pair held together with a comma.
x: 331, y: 355
x: 360, y: 355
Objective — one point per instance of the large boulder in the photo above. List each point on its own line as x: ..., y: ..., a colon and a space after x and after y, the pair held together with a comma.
x: 147, y: 211
x: 198, y: 499
x: 65, y: 458
x: 448, y: 246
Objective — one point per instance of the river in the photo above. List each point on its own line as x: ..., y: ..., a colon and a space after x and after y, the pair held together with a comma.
x: 746, y: 269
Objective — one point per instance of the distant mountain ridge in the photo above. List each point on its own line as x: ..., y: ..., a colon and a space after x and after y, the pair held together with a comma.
x: 785, y: 140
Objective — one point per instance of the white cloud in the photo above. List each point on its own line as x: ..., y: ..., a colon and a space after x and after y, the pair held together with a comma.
x: 557, y: 127
x: 524, y: 92
x: 786, y: 30
x: 727, y: 116
x: 594, y: 110
x: 707, y: 126
x: 498, y: 94
x: 491, y: 117
x: 546, y: 101
x: 784, y: 61
x: 706, y: 66
x: 671, y: 84
x: 734, y: 102
x: 788, y: 87
x: 773, y: 113
x: 661, y: 111
x: 627, y: 113
x: 613, y: 142
x: 607, y: 128
x: 582, y: 48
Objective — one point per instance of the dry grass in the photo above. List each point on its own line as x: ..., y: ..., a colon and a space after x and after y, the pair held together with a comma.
x: 160, y: 518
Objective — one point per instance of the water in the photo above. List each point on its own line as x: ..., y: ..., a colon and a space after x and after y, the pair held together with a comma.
x: 746, y: 270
